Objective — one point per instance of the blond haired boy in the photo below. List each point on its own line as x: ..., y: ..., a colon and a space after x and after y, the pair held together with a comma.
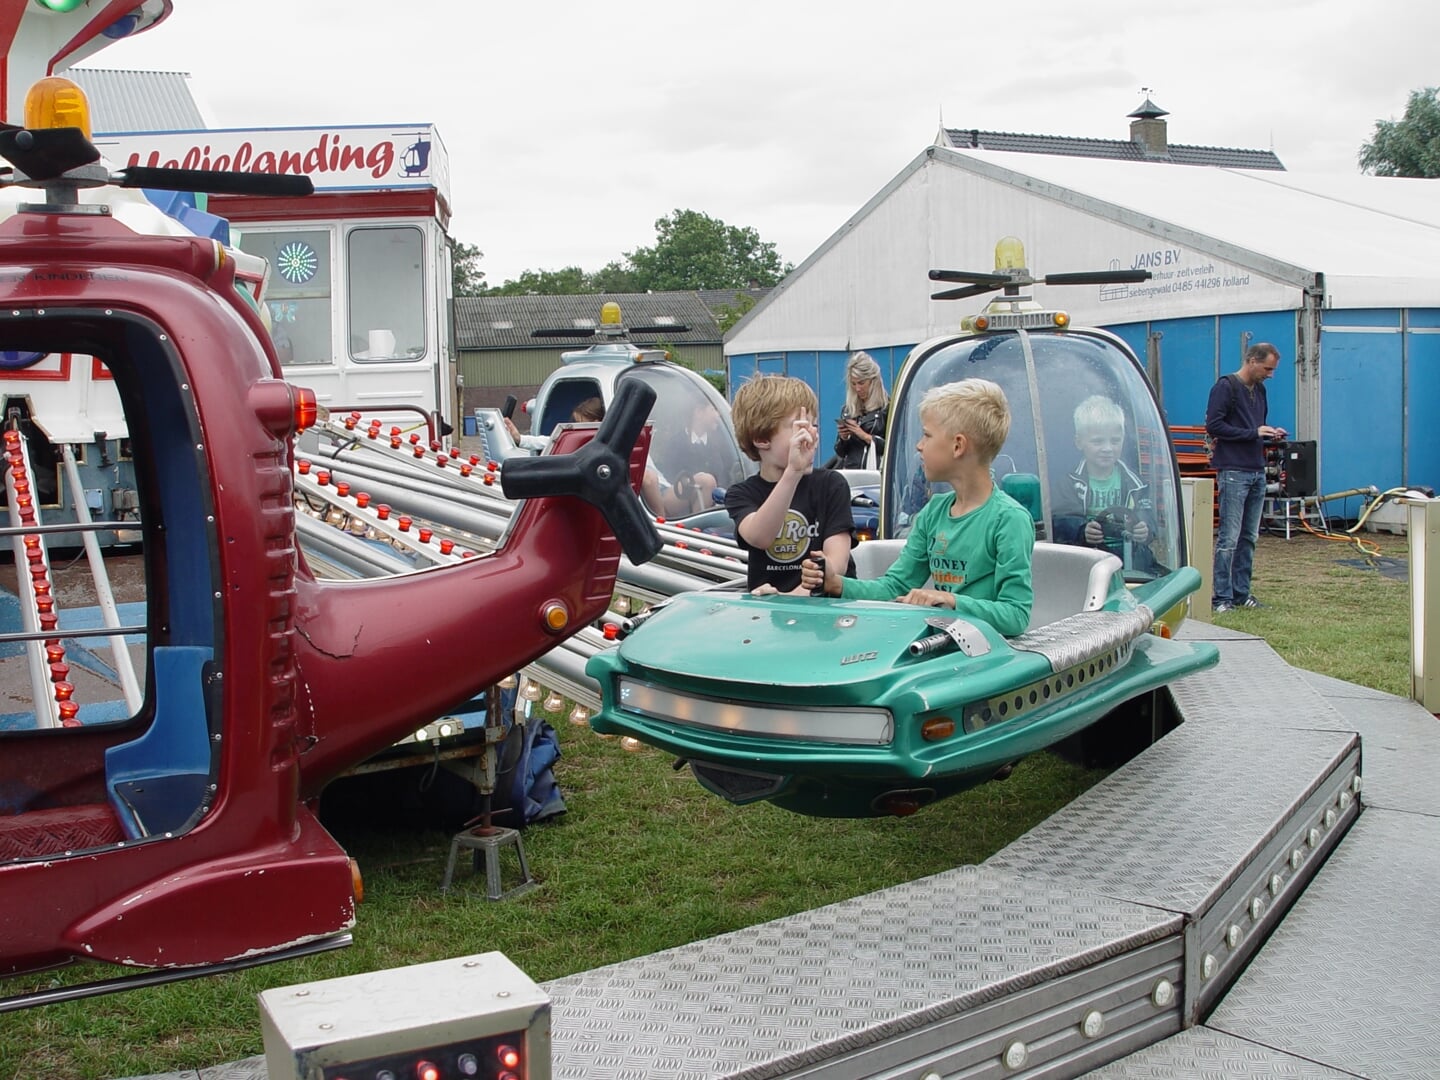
x: 1103, y: 503
x: 788, y: 510
x: 973, y: 541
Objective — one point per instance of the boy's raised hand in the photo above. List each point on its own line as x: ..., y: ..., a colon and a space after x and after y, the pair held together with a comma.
x: 803, y: 441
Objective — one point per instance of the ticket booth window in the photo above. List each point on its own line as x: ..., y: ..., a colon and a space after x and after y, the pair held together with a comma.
x: 298, y: 296
x: 387, y: 293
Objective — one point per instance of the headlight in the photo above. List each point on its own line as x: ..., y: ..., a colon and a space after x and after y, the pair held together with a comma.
x: 855, y: 727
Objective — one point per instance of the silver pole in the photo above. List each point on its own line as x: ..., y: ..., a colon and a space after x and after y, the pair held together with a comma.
x: 109, y: 614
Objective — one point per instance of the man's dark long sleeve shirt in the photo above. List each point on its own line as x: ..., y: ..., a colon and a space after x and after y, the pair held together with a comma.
x: 1233, y: 420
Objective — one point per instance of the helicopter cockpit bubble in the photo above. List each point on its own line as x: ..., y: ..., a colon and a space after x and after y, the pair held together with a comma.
x: 1046, y: 376
x: 694, y: 446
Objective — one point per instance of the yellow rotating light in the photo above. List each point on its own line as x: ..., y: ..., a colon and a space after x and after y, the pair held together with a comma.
x: 1009, y: 254
x: 610, y: 313
x: 1062, y: 319
x: 54, y: 102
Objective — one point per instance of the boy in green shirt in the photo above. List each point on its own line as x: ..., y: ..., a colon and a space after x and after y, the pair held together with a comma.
x: 973, y: 542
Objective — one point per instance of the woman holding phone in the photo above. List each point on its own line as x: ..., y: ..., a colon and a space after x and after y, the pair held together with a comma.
x: 860, y: 431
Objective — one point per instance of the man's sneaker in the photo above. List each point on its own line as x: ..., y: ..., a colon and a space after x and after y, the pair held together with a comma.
x: 1222, y: 607
x: 1251, y: 602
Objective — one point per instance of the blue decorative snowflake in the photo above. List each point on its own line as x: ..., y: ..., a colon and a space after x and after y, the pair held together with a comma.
x: 297, y: 262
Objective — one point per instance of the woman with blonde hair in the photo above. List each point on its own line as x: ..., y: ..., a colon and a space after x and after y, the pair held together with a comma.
x: 860, y: 440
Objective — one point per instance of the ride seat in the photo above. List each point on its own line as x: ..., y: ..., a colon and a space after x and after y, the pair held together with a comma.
x: 1067, y: 580
x: 1024, y: 488
x: 158, y: 781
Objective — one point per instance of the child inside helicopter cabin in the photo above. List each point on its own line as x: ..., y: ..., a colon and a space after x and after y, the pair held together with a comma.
x: 789, y: 509
x: 1103, y: 503
x: 969, y: 548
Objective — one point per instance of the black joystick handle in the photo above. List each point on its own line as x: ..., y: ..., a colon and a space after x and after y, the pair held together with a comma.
x: 599, y: 473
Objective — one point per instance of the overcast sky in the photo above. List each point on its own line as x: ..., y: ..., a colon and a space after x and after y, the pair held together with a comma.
x: 571, y: 126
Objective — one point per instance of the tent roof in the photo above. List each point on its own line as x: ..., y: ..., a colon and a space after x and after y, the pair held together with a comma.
x: 1373, y: 238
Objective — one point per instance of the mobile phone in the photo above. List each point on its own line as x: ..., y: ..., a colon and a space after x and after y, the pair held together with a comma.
x: 508, y: 410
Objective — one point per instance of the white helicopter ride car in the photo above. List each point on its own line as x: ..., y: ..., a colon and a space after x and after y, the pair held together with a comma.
x: 693, y: 453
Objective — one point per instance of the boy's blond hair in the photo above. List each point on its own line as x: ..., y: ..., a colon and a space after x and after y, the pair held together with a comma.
x: 975, y: 408
x: 1096, y: 412
x: 763, y: 403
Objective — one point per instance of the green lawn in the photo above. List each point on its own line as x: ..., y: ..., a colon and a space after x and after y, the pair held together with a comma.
x: 645, y: 860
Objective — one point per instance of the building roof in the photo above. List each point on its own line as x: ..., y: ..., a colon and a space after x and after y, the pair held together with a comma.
x: 718, y: 298
x: 124, y: 101
x: 1113, y: 149
x: 506, y: 322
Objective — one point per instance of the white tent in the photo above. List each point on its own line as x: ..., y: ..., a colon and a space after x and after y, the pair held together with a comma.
x: 1217, y: 241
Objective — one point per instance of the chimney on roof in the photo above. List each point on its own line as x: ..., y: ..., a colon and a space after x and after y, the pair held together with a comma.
x: 1147, y: 128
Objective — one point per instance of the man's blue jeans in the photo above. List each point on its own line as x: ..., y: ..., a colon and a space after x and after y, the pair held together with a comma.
x: 1242, y: 496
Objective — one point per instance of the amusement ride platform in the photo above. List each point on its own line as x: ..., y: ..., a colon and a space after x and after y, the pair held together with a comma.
x: 1233, y: 902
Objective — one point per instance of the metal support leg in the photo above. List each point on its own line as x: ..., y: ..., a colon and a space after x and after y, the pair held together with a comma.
x: 486, y: 839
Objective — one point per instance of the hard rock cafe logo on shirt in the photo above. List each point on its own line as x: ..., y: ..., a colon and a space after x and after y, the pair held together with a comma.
x: 795, y: 539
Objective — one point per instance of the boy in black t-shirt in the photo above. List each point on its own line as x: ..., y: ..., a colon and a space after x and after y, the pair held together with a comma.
x: 789, y: 509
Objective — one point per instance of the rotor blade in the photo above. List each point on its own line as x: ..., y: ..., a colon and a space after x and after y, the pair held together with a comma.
x: 560, y: 332
x: 213, y: 181
x: 972, y: 277
x: 1098, y: 277
x: 46, y: 153
x: 677, y: 328
x: 961, y: 294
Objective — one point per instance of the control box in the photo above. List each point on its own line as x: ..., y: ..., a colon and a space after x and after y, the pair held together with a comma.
x: 473, y: 1016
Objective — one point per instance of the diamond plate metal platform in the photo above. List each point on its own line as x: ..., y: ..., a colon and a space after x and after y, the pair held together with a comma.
x: 1202, y: 1054
x: 865, y: 978
x: 1103, y: 934
x: 1402, y: 744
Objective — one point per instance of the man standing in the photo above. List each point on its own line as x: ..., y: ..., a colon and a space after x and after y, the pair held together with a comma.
x: 1235, y: 423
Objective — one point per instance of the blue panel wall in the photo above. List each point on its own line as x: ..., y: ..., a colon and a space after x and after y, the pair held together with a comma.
x: 1422, y: 397
x: 1187, y: 366
x: 1362, y: 382
x: 1133, y: 334
x: 824, y: 370
x: 1379, y: 388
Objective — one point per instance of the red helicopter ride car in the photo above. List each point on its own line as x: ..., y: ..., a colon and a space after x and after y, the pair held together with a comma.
x: 183, y: 836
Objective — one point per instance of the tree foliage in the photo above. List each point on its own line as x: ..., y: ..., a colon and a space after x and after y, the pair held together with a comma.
x: 695, y: 251
x: 691, y: 251
x: 1409, y: 146
x: 466, y: 277
x: 727, y: 315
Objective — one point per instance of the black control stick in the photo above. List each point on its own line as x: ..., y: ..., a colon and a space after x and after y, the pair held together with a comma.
x: 599, y: 473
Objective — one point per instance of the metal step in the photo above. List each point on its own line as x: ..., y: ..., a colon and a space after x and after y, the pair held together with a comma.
x: 1349, y: 978
x: 1223, y: 821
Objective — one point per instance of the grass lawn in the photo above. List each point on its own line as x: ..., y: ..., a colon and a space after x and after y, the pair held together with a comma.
x: 645, y: 860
